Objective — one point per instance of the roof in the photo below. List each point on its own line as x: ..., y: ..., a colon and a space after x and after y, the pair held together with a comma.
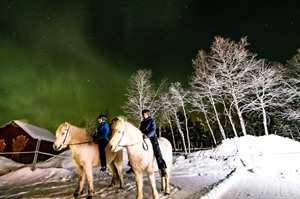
x: 34, y: 131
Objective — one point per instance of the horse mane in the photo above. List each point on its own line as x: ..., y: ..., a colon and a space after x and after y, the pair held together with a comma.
x: 121, y: 117
x: 77, y: 132
x: 127, y: 123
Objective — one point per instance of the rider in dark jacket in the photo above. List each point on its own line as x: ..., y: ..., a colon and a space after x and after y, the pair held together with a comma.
x: 148, y: 128
x: 102, y: 139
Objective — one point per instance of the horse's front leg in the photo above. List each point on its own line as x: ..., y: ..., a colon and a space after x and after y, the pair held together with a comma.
x: 163, y: 182
x: 119, y: 168
x: 165, y: 185
x: 114, y: 174
x: 90, y: 178
x: 118, y: 162
x: 139, y: 184
x: 151, y: 178
x: 81, y: 179
x: 166, y: 180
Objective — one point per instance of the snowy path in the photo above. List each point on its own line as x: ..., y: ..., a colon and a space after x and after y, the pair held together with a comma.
x: 247, y: 185
x: 190, y: 185
x: 64, y: 187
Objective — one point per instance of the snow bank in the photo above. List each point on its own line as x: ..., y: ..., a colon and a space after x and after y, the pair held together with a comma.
x: 266, y: 155
x: 9, y: 165
x: 266, y: 163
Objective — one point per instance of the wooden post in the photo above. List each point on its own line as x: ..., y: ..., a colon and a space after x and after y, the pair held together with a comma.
x: 36, y: 153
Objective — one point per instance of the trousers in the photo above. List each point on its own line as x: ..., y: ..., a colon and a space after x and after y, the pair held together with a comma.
x: 101, y: 145
x: 157, y: 152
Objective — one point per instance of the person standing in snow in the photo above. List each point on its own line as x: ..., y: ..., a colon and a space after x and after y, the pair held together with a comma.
x: 102, y: 139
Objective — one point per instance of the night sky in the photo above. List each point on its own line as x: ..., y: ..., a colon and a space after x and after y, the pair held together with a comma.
x: 69, y: 60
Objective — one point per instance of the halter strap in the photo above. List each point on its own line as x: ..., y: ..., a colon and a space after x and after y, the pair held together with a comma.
x: 66, y: 134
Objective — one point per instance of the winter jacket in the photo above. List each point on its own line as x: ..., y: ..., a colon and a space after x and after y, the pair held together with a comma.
x: 148, y: 127
x: 102, y: 131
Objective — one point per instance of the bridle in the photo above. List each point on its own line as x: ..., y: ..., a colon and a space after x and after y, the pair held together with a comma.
x: 67, y: 132
x: 145, y: 145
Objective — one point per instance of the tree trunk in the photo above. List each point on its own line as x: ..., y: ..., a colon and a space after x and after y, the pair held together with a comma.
x: 239, y: 115
x: 159, y: 130
x: 217, y: 117
x: 181, y: 133
x: 264, y: 114
x: 173, y: 137
x: 187, y: 129
x: 210, y: 129
x: 230, y: 118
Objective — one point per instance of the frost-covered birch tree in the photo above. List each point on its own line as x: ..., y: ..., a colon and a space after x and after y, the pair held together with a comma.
x: 292, y: 72
x: 233, y: 62
x: 173, y: 108
x: 291, y: 76
x: 141, y: 94
x: 166, y: 115
x: 203, y: 92
x: 267, y: 92
x: 179, y: 99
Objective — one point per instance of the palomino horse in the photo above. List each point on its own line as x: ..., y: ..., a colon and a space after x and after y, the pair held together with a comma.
x: 141, y: 155
x: 85, y: 155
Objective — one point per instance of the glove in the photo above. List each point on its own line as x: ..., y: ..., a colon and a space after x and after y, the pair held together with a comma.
x: 145, y: 136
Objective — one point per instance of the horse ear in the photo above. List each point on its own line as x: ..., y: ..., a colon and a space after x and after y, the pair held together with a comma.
x: 66, y: 124
x: 114, y: 120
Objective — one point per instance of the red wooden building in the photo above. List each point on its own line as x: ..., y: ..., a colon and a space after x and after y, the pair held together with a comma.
x: 25, y: 143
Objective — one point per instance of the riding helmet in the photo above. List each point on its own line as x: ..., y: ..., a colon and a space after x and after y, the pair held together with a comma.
x: 100, y: 116
x: 146, y: 111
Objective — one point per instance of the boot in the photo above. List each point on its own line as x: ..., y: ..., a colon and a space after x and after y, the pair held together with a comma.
x: 129, y: 171
x: 163, y: 172
x: 102, y: 169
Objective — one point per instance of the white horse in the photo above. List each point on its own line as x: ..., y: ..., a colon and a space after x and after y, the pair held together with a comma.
x: 85, y: 155
x: 141, y: 155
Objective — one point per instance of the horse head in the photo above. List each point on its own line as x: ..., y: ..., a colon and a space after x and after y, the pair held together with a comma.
x: 62, y: 137
x: 118, y: 137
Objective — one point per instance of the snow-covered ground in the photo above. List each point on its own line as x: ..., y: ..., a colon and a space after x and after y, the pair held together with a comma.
x: 245, y: 167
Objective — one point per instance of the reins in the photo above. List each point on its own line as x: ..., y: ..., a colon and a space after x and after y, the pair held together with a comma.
x: 80, y: 143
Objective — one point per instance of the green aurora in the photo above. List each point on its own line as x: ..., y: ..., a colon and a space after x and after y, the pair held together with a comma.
x: 71, y: 60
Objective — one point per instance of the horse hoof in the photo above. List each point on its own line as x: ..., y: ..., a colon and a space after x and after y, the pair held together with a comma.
x: 90, y: 196
x: 167, y: 194
x: 76, y: 194
x: 121, y: 187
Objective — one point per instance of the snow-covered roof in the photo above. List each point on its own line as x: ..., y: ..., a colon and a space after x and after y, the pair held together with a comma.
x: 34, y: 131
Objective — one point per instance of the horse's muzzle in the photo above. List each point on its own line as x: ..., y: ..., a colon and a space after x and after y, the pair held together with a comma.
x: 56, y: 148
